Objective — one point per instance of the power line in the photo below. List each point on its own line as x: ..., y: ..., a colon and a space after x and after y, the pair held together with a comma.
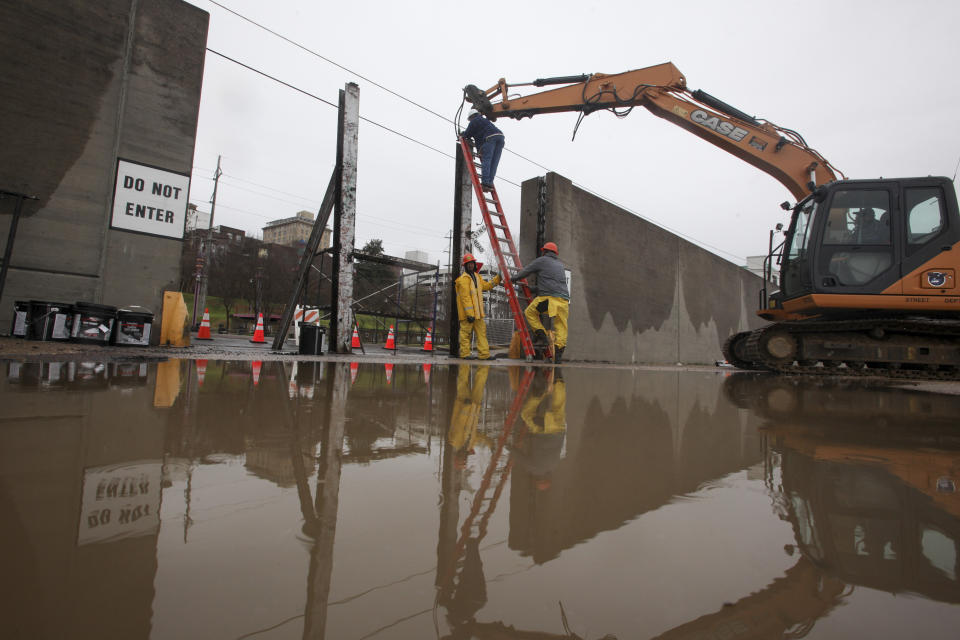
x: 428, y: 110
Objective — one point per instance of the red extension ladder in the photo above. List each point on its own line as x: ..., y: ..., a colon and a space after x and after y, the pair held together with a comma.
x: 503, y: 247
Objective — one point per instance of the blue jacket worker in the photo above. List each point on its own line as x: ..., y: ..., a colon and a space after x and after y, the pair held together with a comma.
x: 489, y: 142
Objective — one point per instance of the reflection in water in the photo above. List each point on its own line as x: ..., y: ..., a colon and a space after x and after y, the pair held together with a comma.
x: 301, y: 500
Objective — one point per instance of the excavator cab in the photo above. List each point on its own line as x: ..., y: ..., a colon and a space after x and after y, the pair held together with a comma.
x: 854, y: 238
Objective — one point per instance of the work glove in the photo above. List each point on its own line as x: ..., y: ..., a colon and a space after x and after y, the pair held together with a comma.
x: 470, y: 318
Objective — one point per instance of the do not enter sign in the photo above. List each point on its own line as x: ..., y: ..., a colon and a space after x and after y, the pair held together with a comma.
x: 150, y: 200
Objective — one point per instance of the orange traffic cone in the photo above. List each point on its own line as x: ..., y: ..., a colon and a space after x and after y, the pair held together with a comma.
x: 256, y: 372
x: 258, y: 332
x: 426, y: 373
x: 204, y: 332
x: 354, y: 367
x: 390, y: 343
x: 428, y: 342
x: 389, y: 369
x: 201, y: 372
x: 355, y: 343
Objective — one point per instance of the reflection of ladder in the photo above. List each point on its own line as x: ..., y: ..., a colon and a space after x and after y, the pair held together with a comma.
x: 503, y: 248
x: 487, y: 495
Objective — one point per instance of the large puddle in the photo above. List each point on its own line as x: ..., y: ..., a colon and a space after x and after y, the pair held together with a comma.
x: 195, y: 499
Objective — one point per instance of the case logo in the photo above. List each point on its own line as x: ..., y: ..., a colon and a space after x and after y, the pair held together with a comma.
x: 722, y: 127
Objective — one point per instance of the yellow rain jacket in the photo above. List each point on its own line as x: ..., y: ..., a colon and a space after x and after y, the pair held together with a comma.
x: 470, y: 294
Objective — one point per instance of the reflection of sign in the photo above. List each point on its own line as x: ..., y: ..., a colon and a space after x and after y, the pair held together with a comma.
x: 120, y: 501
x: 946, y: 485
x: 149, y: 200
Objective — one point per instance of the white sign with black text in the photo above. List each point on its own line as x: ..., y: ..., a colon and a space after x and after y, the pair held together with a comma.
x: 150, y: 200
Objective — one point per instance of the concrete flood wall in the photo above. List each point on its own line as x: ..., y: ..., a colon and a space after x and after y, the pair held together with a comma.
x: 640, y: 294
x: 85, y: 84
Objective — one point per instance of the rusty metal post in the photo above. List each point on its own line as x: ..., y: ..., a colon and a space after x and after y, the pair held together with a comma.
x: 345, y: 228
x: 462, y: 211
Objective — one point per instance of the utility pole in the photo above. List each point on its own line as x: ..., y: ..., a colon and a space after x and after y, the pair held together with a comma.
x: 200, y: 299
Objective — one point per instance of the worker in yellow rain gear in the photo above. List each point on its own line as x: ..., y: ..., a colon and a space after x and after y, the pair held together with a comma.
x: 545, y: 415
x: 553, y: 297
x: 463, y: 436
x: 470, y: 287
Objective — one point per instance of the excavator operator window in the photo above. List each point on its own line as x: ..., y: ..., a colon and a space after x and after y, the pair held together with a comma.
x: 925, y: 216
x: 857, y: 243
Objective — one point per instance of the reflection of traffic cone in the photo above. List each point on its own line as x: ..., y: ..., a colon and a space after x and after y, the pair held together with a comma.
x: 428, y: 342
x: 355, y: 343
x: 201, y: 372
x: 390, y: 343
x: 426, y: 373
x: 354, y: 367
x: 389, y: 369
x: 204, y: 332
x: 256, y: 372
x: 258, y: 332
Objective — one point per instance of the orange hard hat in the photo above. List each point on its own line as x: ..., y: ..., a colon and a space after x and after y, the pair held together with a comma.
x: 468, y: 257
x: 550, y: 246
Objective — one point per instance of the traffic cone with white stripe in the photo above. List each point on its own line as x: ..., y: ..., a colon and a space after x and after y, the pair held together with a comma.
x: 258, y: 332
x: 390, y: 342
x: 201, y: 372
x: 355, y: 342
x: 204, y: 332
x: 388, y: 367
x: 428, y: 342
x: 426, y: 373
x: 256, y: 372
x: 354, y: 368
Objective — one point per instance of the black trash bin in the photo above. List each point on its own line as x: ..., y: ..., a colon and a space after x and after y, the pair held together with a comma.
x: 311, y: 339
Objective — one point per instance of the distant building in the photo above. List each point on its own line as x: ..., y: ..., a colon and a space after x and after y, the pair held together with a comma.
x: 196, y: 219
x: 290, y: 231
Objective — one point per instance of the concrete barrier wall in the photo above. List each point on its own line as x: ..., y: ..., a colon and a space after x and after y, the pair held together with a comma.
x: 640, y: 294
x: 84, y: 84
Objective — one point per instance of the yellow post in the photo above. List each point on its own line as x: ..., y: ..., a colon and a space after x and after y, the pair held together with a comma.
x: 174, y: 329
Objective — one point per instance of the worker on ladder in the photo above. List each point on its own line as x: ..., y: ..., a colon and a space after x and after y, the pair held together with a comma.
x: 489, y: 141
x: 470, y: 287
x: 553, y: 297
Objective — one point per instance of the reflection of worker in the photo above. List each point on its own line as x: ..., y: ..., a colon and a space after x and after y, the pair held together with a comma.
x: 489, y: 142
x: 463, y: 434
x: 470, y: 287
x: 545, y: 415
x: 552, y: 297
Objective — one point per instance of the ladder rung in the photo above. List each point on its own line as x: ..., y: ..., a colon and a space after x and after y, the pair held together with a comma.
x: 491, y: 201
x: 498, y: 226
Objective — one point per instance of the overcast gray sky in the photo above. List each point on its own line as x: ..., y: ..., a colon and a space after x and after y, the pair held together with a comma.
x: 871, y: 85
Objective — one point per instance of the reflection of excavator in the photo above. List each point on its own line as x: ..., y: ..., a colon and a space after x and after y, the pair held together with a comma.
x: 868, y: 268
x: 882, y: 515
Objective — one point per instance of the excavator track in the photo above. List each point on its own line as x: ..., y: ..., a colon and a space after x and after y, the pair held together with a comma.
x: 910, y: 348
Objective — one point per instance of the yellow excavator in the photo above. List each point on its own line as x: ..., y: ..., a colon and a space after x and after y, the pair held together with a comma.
x: 867, y: 268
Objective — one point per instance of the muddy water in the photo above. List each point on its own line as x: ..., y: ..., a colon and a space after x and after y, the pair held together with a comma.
x: 193, y: 499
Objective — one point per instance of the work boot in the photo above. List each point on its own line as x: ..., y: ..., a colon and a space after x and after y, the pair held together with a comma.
x: 558, y: 354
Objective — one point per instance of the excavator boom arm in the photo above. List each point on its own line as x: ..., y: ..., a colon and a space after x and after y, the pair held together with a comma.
x: 662, y: 90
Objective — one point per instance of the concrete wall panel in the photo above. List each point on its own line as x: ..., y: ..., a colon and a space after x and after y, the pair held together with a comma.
x: 639, y: 294
x: 83, y: 84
